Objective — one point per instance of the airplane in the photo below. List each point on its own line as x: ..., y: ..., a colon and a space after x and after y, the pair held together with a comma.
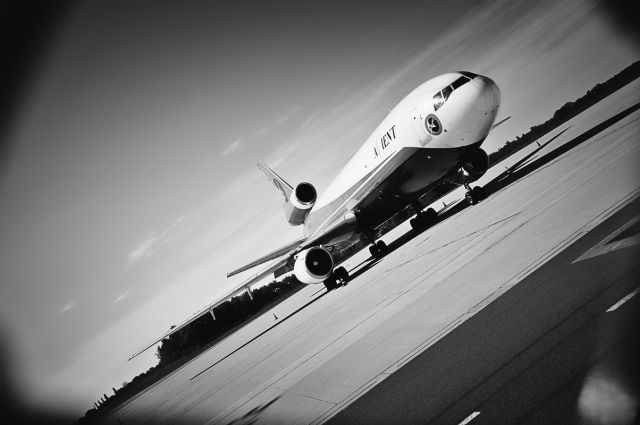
x: 431, y: 139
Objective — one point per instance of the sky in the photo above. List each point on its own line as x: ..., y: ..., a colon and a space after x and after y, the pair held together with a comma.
x: 128, y: 186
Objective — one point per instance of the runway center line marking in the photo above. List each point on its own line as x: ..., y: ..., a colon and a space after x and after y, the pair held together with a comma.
x: 609, y: 243
x: 469, y: 418
x: 623, y: 300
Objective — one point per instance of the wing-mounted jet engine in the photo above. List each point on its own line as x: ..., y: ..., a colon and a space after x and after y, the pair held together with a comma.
x: 473, y: 165
x: 297, y: 202
x: 313, y: 265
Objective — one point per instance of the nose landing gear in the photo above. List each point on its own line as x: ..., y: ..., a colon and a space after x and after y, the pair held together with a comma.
x: 475, y: 195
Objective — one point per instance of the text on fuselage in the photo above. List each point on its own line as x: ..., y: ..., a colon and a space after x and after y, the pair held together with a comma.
x: 385, y: 140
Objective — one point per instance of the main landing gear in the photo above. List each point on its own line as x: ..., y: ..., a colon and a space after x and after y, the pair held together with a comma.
x: 378, y: 250
x: 424, y: 219
x: 475, y: 195
x: 340, y: 276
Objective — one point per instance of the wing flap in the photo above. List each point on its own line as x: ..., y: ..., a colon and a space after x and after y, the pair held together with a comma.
x: 268, y: 257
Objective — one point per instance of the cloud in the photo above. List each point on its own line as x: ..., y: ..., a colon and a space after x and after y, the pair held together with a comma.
x: 282, y: 153
x: 68, y: 306
x: 281, y: 120
x: 151, y: 243
x: 234, y: 146
x: 262, y: 131
x: 278, y: 121
x: 144, y: 249
x: 120, y: 297
x: 287, y: 114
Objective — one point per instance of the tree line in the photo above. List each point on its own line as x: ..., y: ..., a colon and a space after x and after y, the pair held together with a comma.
x: 568, y: 111
x: 194, y: 338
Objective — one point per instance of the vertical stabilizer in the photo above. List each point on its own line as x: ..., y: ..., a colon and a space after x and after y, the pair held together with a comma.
x: 284, y: 187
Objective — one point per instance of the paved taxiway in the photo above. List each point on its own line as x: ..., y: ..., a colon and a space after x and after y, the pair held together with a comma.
x: 487, y: 312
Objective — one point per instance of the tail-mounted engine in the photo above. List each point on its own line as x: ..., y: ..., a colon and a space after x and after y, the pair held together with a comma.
x: 299, y: 204
x: 313, y: 265
x: 473, y: 165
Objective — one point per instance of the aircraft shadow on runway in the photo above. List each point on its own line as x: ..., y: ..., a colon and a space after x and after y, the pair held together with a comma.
x: 253, y: 415
x: 516, y: 172
x: 363, y: 267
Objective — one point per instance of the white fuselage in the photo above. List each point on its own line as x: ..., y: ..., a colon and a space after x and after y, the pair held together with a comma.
x: 415, y: 123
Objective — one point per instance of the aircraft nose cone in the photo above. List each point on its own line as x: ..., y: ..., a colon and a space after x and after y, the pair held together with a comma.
x: 490, y: 92
x: 487, y: 95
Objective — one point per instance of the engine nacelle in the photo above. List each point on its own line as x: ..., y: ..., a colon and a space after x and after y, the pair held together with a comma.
x: 473, y: 165
x: 300, y: 203
x: 313, y: 265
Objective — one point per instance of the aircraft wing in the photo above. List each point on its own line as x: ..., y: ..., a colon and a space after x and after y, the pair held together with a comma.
x: 270, y: 256
x: 243, y: 287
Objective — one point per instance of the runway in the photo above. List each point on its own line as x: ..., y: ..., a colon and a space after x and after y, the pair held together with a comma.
x: 498, y: 314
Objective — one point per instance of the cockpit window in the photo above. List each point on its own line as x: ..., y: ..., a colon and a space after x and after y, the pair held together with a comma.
x: 441, y: 97
x: 438, y: 101
x: 459, y: 82
x: 468, y: 74
x: 446, y: 92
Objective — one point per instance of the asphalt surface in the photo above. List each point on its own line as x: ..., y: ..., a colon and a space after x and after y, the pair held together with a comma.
x: 526, y: 356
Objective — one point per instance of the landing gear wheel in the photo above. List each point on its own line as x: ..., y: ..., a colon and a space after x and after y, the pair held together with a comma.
x: 471, y: 200
x: 330, y: 283
x: 475, y: 195
x: 479, y: 193
x: 424, y: 220
x: 378, y: 250
x: 341, y: 274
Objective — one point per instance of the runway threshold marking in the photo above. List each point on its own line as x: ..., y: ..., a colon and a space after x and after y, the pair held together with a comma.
x: 613, y: 241
x: 623, y: 300
x: 469, y: 418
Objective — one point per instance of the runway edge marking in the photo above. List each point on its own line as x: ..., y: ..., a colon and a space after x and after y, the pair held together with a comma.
x: 623, y: 300
x: 470, y: 418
